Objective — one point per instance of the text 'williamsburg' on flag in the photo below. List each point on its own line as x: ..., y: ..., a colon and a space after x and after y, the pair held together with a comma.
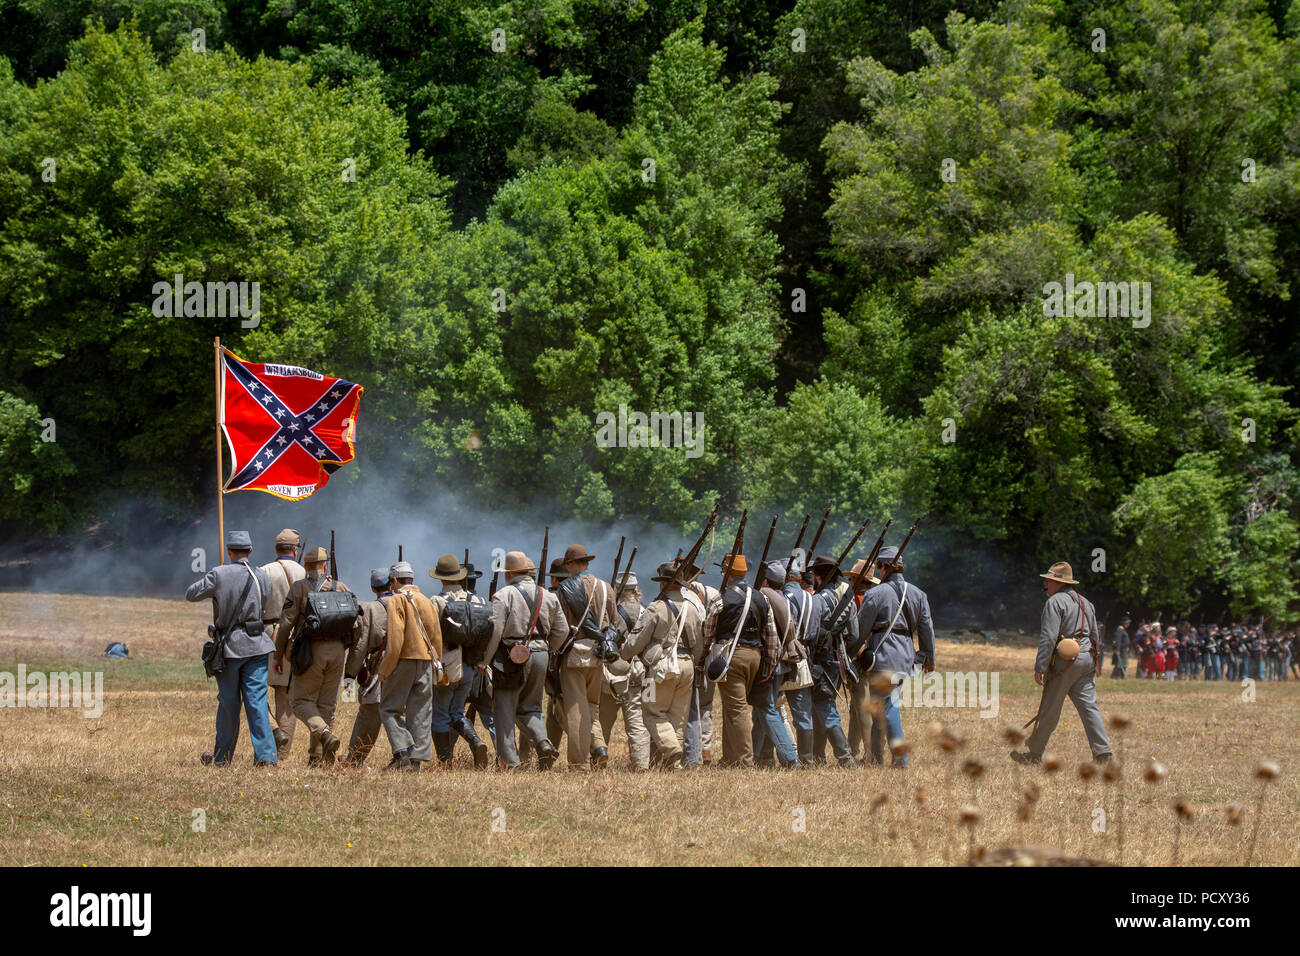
x: 288, y: 428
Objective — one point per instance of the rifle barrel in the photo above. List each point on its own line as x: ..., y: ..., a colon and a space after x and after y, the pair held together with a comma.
x: 797, y: 541
x: 845, y: 553
x: 617, y: 558
x: 812, y: 548
x: 758, y: 572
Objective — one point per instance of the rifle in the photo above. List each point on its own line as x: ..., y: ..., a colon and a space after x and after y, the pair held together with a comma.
x: 541, y: 581
x: 626, y: 571
x: 845, y: 553
x: 683, y: 564
x: 758, y: 573
x: 797, y: 541
x: 399, y: 552
x: 617, y: 558
x: 303, y: 549
x: 910, y: 531
x: 812, y: 548
x: 334, y: 567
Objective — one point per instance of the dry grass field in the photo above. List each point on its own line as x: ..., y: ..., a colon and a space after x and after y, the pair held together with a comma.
x: 123, y: 788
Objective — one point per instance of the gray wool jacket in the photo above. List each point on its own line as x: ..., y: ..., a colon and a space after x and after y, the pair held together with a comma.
x: 224, y: 584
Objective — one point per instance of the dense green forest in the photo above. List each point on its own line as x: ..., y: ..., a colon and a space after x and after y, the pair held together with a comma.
x: 828, y: 227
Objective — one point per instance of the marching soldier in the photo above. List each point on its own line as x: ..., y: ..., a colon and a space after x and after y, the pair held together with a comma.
x: 518, y: 661
x: 479, y: 700
x: 581, y: 671
x: 858, y: 692
x: 282, y: 572
x: 314, y: 691
x: 667, y: 638
x: 1066, y: 615
x: 740, y: 623
x: 823, y: 637
x: 770, y: 734
x: 892, y: 614
x: 553, y: 711
x: 411, y: 658
x: 699, y: 722
x: 624, y: 681
x: 370, y: 635
x: 237, y: 610
x: 803, y: 613
x: 449, y: 699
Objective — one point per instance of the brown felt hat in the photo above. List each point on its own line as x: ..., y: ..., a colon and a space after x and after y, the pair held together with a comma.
x: 823, y: 563
x: 288, y: 538
x: 316, y: 556
x: 858, y: 565
x: 448, y: 568
x: 576, y: 552
x: 1060, y: 571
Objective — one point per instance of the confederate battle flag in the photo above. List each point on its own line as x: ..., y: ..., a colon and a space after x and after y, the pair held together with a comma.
x: 288, y: 428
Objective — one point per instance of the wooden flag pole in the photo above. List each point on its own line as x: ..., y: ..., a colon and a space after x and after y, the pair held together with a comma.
x: 221, y: 516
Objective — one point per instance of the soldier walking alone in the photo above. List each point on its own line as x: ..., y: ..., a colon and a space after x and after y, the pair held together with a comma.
x: 1068, y: 645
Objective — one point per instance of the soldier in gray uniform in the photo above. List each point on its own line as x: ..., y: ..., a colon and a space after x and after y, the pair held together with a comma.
x: 892, y: 613
x: 1067, y: 614
x: 238, y: 593
x: 370, y: 635
x: 517, y: 686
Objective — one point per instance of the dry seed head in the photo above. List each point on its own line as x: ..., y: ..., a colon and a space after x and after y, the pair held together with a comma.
x: 1087, y: 771
x: 970, y: 814
x: 1024, y: 811
x: 1031, y: 792
x: 1155, y: 771
x: 1183, y: 809
x: 935, y: 729
x: 1112, y: 772
x: 1014, y: 736
x: 878, y: 801
x: 1051, y: 763
x: 1267, y: 770
x: 972, y: 767
x: 1234, y: 814
x: 900, y: 748
x: 875, y: 706
x: 920, y: 795
x: 1119, y: 722
x: 882, y: 683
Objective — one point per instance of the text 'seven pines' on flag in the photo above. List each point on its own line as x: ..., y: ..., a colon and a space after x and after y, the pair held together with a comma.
x: 288, y: 428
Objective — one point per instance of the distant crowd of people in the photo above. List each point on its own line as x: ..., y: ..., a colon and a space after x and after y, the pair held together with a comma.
x: 1205, y: 652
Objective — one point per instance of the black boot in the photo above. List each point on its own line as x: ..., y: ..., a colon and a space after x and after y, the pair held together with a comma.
x: 466, y: 730
x: 546, y: 754
x: 804, y: 744
x: 442, y: 746
x: 401, y: 760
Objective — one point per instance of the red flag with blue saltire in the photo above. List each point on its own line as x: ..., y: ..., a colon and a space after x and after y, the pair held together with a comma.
x: 288, y: 428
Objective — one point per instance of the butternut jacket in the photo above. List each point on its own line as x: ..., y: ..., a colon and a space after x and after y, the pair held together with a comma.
x: 659, y: 629
x: 405, y: 642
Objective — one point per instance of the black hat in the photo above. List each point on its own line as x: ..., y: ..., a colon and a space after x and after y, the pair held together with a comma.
x: 470, y: 573
x: 558, y: 570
